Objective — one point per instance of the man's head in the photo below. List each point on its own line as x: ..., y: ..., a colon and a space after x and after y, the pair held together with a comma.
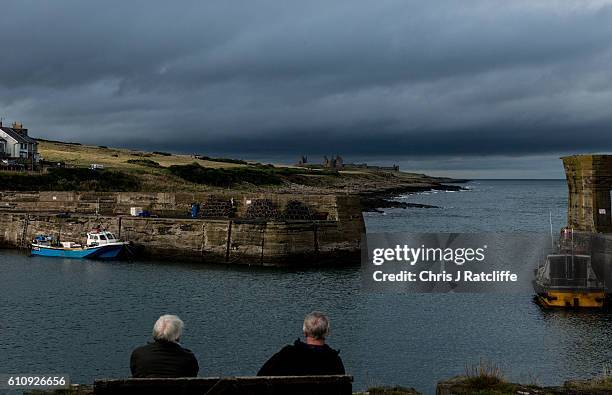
x: 316, y: 326
x: 168, y: 328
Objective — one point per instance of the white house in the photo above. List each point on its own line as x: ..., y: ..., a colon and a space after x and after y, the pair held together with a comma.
x: 15, y: 143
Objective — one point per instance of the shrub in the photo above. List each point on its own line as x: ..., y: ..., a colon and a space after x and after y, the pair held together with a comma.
x: 294, y: 171
x: 162, y: 153
x: 144, y: 162
x: 77, y: 179
x: 225, y: 177
x: 223, y: 160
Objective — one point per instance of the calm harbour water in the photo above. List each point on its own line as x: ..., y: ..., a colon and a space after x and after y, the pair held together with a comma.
x: 84, y: 318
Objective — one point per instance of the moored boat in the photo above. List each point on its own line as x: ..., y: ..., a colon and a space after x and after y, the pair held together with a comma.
x: 101, y: 244
x: 568, y: 281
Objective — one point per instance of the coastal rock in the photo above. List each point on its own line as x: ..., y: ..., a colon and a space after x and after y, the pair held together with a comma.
x: 377, y: 204
x: 374, y: 201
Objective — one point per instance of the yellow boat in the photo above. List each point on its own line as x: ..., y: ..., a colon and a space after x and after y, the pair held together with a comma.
x: 568, y: 281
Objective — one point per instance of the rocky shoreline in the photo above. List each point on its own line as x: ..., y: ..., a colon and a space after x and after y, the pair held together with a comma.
x: 375, y: 201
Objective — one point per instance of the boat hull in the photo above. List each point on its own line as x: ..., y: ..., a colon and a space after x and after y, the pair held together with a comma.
x: 568, y: 281
x: 572, y: 299
x: 99, y: 252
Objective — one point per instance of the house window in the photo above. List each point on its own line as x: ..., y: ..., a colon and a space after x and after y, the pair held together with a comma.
x: 24, y: 146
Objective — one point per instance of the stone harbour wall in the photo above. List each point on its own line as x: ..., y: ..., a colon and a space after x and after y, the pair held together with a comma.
x: 256, y: 241
x: 170, y: 205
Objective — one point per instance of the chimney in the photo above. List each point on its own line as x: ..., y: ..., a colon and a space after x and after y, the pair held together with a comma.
x: 18, y: 127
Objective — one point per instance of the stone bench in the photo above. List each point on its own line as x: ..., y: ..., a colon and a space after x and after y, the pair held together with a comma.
x: 297, y: 385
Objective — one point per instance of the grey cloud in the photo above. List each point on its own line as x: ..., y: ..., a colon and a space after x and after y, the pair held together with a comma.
x: 384, y: 78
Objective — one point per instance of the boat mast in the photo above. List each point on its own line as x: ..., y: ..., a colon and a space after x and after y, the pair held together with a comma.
x: 552, y: 241
x: 572, y: 250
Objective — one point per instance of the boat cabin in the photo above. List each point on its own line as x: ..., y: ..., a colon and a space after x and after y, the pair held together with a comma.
x: 566, y: 270
x: 97, y: 238
x: 43, y: 240
x: 70, y: 244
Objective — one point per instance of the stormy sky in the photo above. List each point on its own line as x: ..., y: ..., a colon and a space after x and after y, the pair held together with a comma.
x: 466, y: 88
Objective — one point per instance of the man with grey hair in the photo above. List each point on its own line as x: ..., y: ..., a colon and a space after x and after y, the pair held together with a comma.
x: 311, y: 357
x: 164, y: 357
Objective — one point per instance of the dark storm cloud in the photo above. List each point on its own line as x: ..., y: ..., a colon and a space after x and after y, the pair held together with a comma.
x: 357, y: 77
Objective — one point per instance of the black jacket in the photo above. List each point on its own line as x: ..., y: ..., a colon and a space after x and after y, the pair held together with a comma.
x: 301, y: 359
x: 163, y: 359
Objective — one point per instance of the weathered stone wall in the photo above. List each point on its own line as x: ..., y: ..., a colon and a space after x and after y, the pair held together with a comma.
x: 230, y: 240
x: 589, y: 180
x: 161, y: 204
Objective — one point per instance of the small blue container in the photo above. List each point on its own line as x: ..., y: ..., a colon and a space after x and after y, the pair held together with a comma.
x: 195, y: 210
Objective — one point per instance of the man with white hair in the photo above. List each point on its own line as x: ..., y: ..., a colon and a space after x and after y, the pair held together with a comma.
x: 164, y: 357
x: 311, y: 357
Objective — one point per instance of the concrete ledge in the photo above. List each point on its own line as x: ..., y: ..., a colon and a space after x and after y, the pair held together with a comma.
x: 295, y: 385
x: 298, y: 385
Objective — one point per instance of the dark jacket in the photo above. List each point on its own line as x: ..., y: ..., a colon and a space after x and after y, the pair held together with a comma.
x: 301, y: 359
x: 163, y: 359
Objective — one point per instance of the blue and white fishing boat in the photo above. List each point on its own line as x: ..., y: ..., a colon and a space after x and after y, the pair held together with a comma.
x: 101, y: 244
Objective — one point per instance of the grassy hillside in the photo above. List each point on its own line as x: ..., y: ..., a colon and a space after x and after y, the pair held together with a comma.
x: 117, y: 158
x: 131, y: 170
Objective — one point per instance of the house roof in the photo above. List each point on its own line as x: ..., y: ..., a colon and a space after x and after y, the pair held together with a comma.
x: 21, y: 138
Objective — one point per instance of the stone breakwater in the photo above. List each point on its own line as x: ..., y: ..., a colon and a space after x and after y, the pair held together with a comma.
x: 255, y: 229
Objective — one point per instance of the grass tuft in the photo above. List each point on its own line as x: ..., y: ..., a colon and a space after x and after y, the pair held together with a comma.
x: 484, y: 374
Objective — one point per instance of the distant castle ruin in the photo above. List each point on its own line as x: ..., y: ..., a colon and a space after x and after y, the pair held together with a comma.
x: 337, y: 163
